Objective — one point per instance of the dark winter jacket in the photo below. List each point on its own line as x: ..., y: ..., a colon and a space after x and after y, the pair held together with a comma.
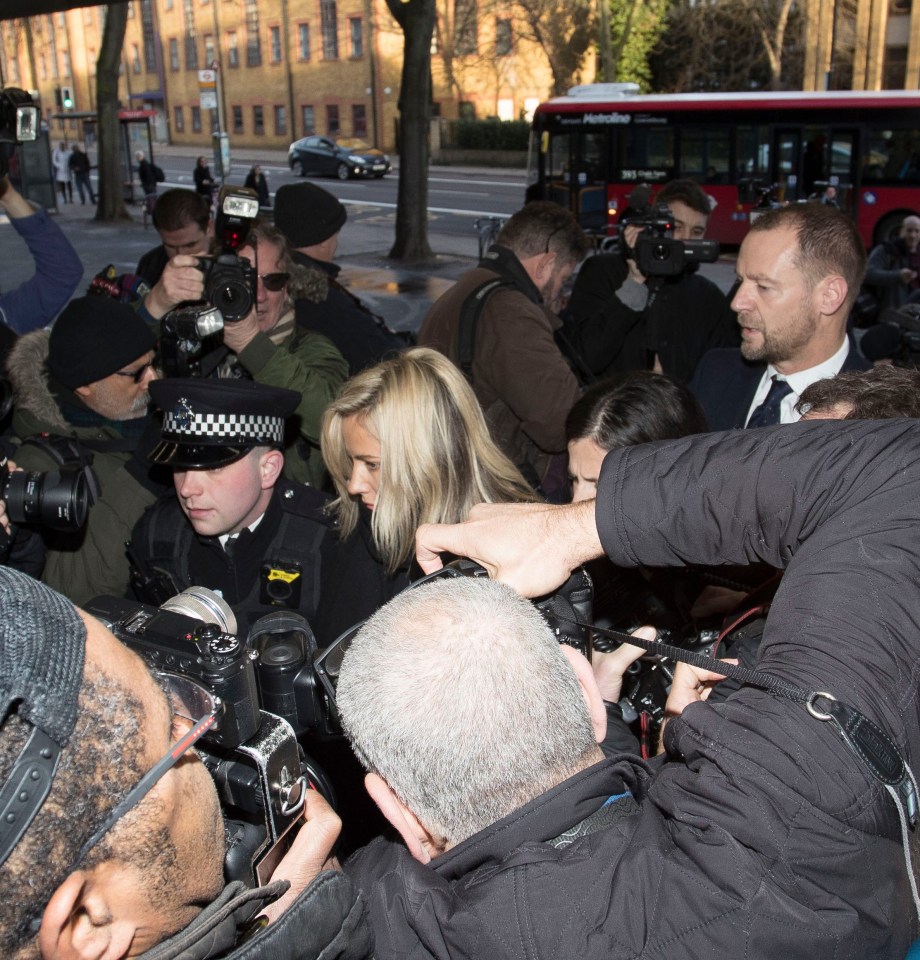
x: 688, y: 316
x: 883, y: 272
x: 759, y: 834
x: 521, y: 379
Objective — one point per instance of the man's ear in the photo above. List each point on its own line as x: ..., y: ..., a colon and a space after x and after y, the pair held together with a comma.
x: 270, y: 467
x: 832, y: 292
x: 589, y: 690
x: 416, y: 837
x: 84, y: 392
x: 78, y: 924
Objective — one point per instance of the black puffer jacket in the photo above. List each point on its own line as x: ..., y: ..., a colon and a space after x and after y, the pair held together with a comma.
x: 759, y: 835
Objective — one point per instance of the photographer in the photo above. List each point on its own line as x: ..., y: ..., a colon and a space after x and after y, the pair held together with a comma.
x: 81, y: 397
x: 618, y: 319
x: 183, y: 221
x: 118, y: 851
x: 271, y: 349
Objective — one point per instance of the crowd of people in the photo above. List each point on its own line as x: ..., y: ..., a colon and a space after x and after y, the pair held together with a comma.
x: 323, y: 464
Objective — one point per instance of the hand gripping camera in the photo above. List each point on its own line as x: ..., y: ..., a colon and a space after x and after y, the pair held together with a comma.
x: 191, y: 334
x: 657, y: 253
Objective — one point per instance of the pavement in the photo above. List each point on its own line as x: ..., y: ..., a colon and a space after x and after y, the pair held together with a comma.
x: 400, y: 294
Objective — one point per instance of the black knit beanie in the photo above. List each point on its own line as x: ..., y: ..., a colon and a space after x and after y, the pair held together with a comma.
x: 307, y: 214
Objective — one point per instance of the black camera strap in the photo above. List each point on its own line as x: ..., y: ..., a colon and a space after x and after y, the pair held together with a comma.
x: 875, y: 749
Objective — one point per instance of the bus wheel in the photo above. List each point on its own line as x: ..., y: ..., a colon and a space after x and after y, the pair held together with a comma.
x: 889, y: 227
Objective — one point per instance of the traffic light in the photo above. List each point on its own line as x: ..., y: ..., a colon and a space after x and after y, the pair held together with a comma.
x: 67, y: 98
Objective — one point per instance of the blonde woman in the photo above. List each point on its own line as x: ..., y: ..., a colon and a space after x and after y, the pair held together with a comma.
x: 405, y: 443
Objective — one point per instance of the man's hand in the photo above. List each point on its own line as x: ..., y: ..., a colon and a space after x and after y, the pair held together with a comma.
x: 630, y: 236
x: 531, y: 547
x: 690, y: 685
x: 181, y: 281
x: 609, y: 667
x: 240, y: 333
x: 908, y: 275
x: 309, y: 853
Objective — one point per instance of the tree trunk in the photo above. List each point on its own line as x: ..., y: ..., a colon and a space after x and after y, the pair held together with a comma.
x: 111, y: 204
x: 416, y: 17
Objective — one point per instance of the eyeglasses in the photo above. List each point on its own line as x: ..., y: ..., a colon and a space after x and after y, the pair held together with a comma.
x: 139, y: 374
x: 191, y: 702
x: 274, y: 282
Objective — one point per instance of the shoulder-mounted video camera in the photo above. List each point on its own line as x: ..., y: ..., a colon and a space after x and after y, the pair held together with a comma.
x: 189, y: 334
x: 19, y: 117
x: 657, y: 253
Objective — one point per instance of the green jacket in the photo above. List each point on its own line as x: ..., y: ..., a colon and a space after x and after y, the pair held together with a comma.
x: 308, y: 363
x: 91, y: 562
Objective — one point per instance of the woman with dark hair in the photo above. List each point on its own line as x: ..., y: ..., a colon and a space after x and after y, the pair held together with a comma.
x: 632, y: 408
x: 257, y: 181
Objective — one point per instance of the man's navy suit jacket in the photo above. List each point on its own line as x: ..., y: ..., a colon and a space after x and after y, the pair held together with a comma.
x: 725, y: 384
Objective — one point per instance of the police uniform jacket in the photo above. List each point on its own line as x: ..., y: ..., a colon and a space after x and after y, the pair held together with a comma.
x: 277, y: 566
x: 759, y: 834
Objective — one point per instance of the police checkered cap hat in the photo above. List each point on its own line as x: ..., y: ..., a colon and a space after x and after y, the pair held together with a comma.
x: 42, y: 649
x: 210, y: 423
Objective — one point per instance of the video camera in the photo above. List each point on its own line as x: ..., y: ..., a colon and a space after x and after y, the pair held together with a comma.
x: 764, y: 196
x: 19, y: 117
x: 656, y: 252
x: 190, y: 334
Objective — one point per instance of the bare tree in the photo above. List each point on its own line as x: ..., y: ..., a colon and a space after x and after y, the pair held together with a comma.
x: 416, y: 18
x: 564, y: 29
x: 111, y: 196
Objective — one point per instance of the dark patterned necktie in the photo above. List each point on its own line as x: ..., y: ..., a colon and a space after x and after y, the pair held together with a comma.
x: 767, y: 414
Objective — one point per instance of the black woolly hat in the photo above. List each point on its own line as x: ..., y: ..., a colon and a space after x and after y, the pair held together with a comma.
x: 42, y: 651
x: 307, y: 214
x: 93, y: 338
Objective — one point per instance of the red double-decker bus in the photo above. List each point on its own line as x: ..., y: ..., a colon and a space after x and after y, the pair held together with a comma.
x: 591, y: 148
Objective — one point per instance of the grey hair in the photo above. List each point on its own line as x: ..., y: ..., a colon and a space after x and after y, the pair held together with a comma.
x: 457, y: 694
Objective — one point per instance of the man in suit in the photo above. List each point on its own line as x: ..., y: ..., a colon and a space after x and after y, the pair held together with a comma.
x: 799, y: 271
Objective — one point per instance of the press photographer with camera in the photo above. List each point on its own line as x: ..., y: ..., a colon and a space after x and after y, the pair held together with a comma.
x: 182, y: 219
x: 81, y: 409
x: 58, y: 269
x: 115, y: 848
x: 620, y: 318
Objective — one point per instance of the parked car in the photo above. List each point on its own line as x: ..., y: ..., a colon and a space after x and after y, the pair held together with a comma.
x: 323, y: 156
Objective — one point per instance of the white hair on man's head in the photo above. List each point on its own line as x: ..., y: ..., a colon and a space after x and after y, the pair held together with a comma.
x: 457, y: 694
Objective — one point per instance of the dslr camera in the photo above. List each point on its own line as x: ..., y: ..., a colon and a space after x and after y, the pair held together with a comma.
x: 191, y: 334
x: 657, y: 253
x: 260, y: 771
x: 19, y: 118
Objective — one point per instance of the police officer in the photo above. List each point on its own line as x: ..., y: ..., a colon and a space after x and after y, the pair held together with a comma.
x: 234, y: 525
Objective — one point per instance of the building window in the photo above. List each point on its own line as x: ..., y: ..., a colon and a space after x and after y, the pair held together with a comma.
x: 151, y: 40
x: 359, y: 120
x: 213, y: 120
x: 237, y: 119
x: 308, y: 120
x: 179, y: 115
x: 131, y: 10
x: 467, y: 110
x: 135, y: 58
x: 332, y: 120
x: 253, y: 44
x: 303, y: 41
x: 356, y: 37
x: 330, y: 29
x: 209, y: 51
x: 502, y: 37
x: 280, y: 120
x: 274, y: 37
x: 233, y: 49
x: 258, y: 121
x: 196, y: 119
x: 169, y: 4
x: 191, y: 46
x: 466, y: 27
x: 894, y: 68
x: 173, y: 53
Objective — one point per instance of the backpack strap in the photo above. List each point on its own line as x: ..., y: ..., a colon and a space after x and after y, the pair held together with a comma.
x: 469, y: 318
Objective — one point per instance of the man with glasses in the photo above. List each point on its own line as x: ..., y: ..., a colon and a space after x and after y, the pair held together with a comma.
x: 81, y: 394
x: 111, y: 837
x: 271, y: 349
x: 497, y: 324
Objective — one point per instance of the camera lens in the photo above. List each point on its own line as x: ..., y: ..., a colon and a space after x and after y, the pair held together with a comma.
x: 58, y: 500
x: 661, y: 251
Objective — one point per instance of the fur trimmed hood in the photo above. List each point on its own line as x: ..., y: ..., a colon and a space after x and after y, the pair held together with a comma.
x: 27, y: 366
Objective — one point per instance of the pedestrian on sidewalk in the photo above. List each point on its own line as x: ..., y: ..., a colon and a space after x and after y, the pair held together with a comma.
x: 60, y: 160
x: 80, y: 167
x: 257, y: 181
x: 204, y: 182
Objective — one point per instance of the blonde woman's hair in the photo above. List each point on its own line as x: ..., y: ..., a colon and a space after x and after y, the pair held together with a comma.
x: 437, y: 457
